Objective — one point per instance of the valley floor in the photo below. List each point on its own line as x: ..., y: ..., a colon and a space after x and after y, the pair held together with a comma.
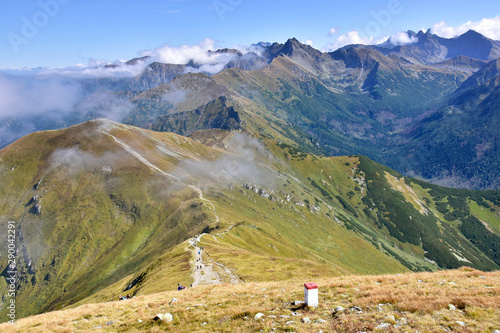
x: 463, y: 300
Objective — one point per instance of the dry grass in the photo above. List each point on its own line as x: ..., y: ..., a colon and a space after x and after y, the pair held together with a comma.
x: 408, y: 302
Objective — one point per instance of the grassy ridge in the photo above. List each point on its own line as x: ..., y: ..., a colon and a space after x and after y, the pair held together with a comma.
x: 96, y: 213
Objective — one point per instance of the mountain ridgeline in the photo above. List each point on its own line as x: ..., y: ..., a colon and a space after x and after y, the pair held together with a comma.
x: 428, y: 109
x: 103, y: 208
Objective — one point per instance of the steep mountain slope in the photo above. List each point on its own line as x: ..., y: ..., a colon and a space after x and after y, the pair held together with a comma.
x: 462, y: 63
x: 458, y: 145
x: 88, y: 211
x: 103, y: 205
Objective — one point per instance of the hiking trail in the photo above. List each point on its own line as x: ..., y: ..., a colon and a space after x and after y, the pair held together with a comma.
x: 210, y: 272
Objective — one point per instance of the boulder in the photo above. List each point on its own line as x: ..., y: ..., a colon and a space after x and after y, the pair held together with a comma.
x: 339, y: 309
x: 401, y: 322
x: 382, y: 327
x: 164, y: 317
x: 390, y: 319
x: 356, y: 309
x: 258, y: 316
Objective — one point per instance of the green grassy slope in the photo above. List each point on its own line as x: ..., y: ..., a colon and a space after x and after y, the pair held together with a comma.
x: 103, y: 213
x: 100, y: 205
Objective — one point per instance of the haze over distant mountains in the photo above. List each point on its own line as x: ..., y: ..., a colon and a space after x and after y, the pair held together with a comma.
x: 428, y: 108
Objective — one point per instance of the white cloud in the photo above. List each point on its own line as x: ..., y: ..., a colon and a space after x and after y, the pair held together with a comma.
x: 309, y: 42
x: 199, y: 58
x: 332, y: 31
x: 97, y: 69
x: 254, y: 48
x: 352, y: 37
x: 198, y: 54
x: 202, y: 57
x: 489, y: 27
x: 401, y: 38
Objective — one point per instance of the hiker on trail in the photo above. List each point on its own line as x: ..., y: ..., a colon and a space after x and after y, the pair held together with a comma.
x: 180, y: 287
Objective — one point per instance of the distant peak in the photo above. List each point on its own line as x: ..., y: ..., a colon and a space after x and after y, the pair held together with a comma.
x: 294, y: 42
x: 291, y: 46
x: 472, y: 34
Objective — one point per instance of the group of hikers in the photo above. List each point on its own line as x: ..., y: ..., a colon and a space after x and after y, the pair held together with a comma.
x: 122, y: 298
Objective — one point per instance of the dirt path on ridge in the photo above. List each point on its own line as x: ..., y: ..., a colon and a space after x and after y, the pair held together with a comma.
x: 209, y: 272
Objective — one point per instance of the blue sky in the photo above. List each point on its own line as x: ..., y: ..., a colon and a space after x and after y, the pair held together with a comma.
x: 58, y: 33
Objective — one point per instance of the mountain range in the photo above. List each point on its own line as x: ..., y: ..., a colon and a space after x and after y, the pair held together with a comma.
x: 290, y: 162
x: 428, y: 109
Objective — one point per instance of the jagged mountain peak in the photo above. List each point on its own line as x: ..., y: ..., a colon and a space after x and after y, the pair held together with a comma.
x: 293, y: 46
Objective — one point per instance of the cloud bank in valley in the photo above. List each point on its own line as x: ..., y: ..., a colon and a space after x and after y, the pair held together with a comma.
x: 38, y: 102
x: 28, y: 96
x: 32, y: 96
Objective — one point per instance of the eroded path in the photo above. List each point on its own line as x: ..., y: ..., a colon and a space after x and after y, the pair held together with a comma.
x: 208, y: 271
